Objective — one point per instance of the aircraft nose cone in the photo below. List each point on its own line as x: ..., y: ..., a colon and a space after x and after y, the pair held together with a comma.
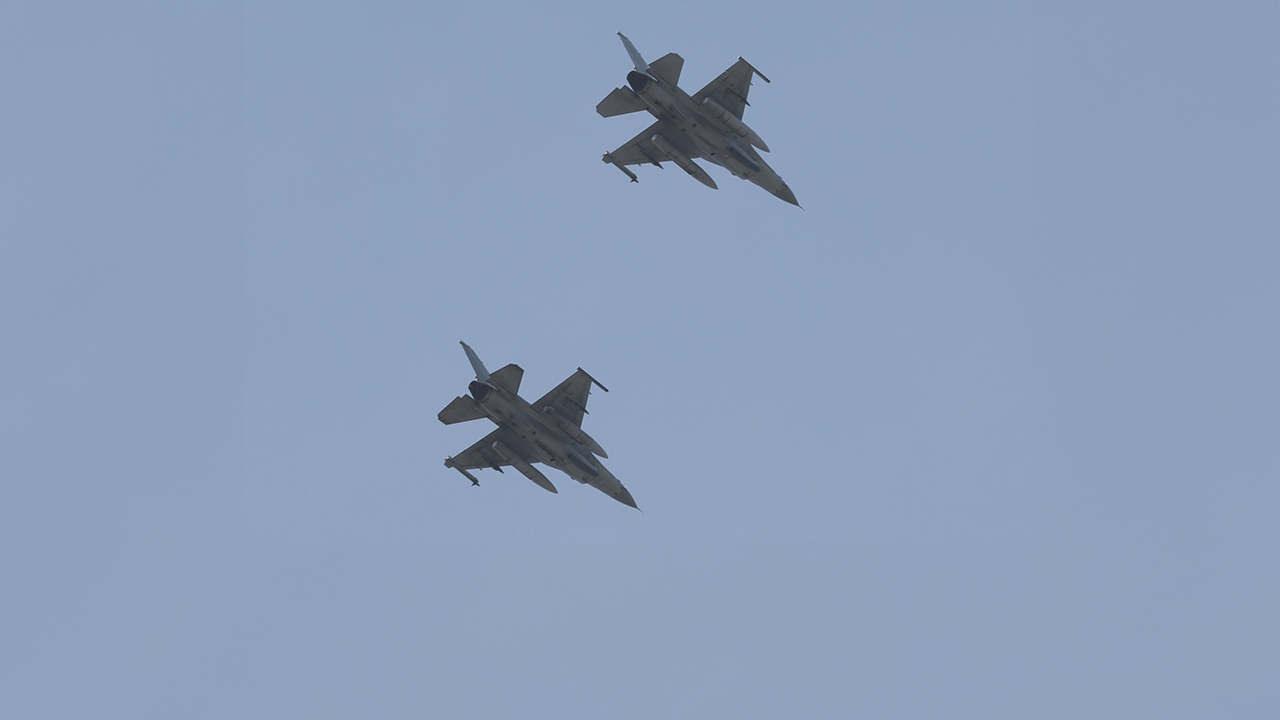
x: 785, y: 193
x: 624, y: 497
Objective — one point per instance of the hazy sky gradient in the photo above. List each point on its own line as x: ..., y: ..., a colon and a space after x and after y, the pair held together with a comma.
x: 990, y: 429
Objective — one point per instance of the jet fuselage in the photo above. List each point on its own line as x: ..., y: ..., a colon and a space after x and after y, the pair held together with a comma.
x: 715, y: 139
x: 555, y: 447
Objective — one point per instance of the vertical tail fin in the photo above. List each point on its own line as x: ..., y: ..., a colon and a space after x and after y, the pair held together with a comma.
x: 641, y: 65
x: 481, y: 374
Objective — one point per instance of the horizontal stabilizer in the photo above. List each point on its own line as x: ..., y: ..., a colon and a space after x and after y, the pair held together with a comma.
x: 462, y: 409
x: 668, y: 68
x: 620, y: 102
x: 508, y: 378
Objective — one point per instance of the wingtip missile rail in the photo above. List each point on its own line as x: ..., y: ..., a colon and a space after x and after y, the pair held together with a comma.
x: 597, y: 382
x: 608, y: 157
x: 449, y: 463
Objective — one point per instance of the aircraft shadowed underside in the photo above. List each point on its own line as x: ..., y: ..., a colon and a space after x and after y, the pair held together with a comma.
x: 549, y: 431
x: 707, y: 126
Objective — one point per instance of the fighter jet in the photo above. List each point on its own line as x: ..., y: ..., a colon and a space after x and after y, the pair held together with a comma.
x: 708, y: 125
x: 548, y: 431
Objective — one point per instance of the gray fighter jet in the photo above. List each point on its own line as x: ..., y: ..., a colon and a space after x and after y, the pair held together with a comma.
x: 548, y: 431
x: 708, y: 125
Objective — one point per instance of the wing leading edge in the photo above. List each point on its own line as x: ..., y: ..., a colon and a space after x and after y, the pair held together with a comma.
x: 731, y: 88
x: 641, y: 150
x: 500, y: 448
x: 656, y: 143
x: 482, y: 455
x: 569, y: 398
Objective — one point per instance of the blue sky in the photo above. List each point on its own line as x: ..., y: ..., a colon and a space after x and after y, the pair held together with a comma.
x: 989, y: 429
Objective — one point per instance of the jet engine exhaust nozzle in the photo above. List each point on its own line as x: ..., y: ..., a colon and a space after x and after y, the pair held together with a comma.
x: 479, y: 390
x: 638, y: 81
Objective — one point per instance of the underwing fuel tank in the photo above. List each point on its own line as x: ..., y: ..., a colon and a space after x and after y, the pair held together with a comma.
x: 684, y: 162
x: 573, y: 431
x: 734, y: 123
x: 524, y: 466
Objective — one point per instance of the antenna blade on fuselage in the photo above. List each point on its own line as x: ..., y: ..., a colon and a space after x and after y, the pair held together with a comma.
x: 641, y: 65
x: 481, y: 374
